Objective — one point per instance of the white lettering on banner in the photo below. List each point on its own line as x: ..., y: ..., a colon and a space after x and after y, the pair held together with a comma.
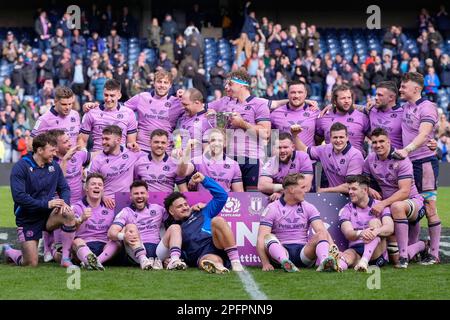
x: 243, y: 232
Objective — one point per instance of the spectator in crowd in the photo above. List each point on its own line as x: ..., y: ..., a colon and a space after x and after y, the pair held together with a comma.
x: 78, y: 44
x: 435, y: 37
x: 443, y: 70
x: 168, y: 47
x: 169, y: 27
x: 113, y: 42
x: 178, y: 49
x: 154, y: 34
x: 95, y: 43
x: 217, y: 76
x: 10, y: 48
x: 42, y: 28
x: 58, y: 45
x: 432, y: 83
x: 250, y: 23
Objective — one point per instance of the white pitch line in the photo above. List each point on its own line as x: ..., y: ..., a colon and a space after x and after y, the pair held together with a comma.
x: 251, y: 286
x: 444, y: 244
x: 3, y: 236
x: 445, y: 252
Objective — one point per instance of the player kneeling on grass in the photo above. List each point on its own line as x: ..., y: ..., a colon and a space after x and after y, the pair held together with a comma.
x: 366, y: 232
x: 139, y: 227
x: 208, y: 241
x: 91, y: 244
x: 283, y: 231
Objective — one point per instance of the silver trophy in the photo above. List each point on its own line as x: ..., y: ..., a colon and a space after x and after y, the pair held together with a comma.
x: 222, y: 119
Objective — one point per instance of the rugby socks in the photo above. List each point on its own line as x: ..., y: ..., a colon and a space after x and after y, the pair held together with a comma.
x: 413, y: 249
x: 13, y: 254
x: 140, y: 254
x: 370, y: 247
x: 48, y: 241
x: 82, y: 253
x: 322, y: 250
x: 401, y: 233
x: 232, y: 253
x: 67, y: 236
x: 434, y: 230
x: 111, y: 247
x: 175, y: 253
x: 414, y: 232
x: 343, y: 264
x: 276, y: 251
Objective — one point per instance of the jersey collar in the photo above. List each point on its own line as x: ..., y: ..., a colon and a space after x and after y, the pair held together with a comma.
x: 369, y: 205
x: 166, y: 157
x: 102, y: 106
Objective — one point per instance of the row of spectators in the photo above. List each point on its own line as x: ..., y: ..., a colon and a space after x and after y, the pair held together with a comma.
x: 273, y: 55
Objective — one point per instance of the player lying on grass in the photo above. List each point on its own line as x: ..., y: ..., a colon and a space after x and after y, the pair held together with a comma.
x: 363, y: 229
x: 208, y: 242
x: 35, y: 180
x: 91, y: 244
x: 283, y: 231
x: 139, y: 227
x: 396, y: 181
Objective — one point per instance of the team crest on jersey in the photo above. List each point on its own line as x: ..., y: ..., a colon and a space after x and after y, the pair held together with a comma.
x: 350, y: 120
x: 226, y: 166
x: 255, y: 205
x: 247, y: 108
x: 73, y: 160
x: 292, y: 166
x: 51, y: 169
x: 124, y: 156
x: 167, y: 104
x: 120, y: 116
x: 104, y: 212
x: 306, y: 114
x: 196, y: 120
x: 72, y: 119
x: 153, y: 213
x: 342, y: 161
x: 394, y: 115
x: 299, y: 210
x: 166, y: 168
x: 57, y: 121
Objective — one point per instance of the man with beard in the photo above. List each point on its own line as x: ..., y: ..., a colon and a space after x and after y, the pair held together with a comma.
x: 419, y: 122
x: 387, y: 113
x: 343, y: 111
x: 296, y: 111
x: 339, y: 158
x: 158, y: 169
x: 115, y: 163
x: 208, y: 242
x: 139, y: 227
x: 286, y: 161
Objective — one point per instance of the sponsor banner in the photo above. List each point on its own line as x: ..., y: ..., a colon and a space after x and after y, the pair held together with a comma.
x: 243, y: 210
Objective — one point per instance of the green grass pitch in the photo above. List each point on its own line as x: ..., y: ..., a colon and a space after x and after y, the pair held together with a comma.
x: 49, y: 281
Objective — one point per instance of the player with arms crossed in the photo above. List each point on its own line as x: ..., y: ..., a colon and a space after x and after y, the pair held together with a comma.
x: 283, y: 231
